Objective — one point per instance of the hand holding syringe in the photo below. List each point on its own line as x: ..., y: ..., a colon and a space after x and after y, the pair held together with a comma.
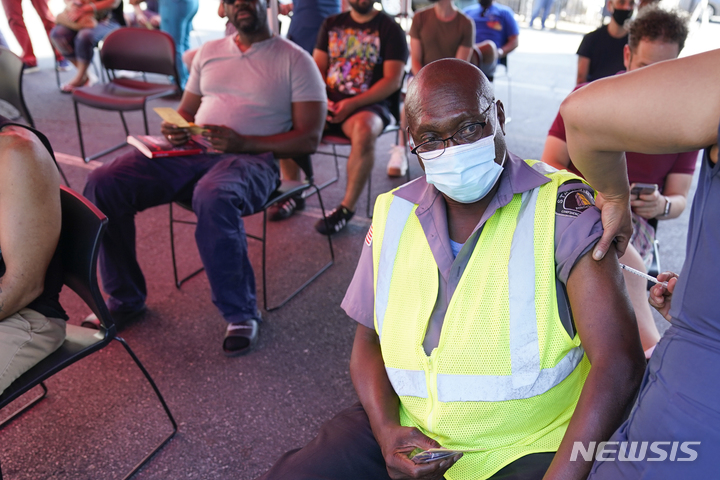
x: 644, y: 275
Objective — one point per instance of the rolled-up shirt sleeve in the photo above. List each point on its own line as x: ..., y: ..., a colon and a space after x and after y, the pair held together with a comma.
x: 359, y: 301
x: 577, y: 226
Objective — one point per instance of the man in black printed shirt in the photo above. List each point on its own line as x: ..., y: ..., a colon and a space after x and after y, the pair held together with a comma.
x: 361, y: 55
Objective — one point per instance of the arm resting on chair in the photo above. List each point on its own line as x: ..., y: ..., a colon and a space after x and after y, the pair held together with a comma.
x: 29, y: 217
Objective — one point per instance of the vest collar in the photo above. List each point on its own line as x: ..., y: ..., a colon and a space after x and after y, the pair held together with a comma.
x: 517, y: 177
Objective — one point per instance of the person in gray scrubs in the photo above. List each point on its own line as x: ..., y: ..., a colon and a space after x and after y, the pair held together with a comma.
x: 670, y: 107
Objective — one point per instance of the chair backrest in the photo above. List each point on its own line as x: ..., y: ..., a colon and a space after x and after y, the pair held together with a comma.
x: 11, y: 67
x: 139, y: 50
x: 83, y: 225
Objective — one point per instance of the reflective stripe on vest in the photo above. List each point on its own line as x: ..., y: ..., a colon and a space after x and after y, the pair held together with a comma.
x: 527, y: 379
x: 397, y: 217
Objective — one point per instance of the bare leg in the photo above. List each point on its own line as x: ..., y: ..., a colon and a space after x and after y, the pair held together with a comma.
x: 637, y: 290
x: 362, y: 129
x: 81, y: 75
x: 289, y: 169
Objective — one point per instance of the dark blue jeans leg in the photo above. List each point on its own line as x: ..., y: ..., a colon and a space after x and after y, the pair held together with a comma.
x: 237, y: 186
x: 129, y: 184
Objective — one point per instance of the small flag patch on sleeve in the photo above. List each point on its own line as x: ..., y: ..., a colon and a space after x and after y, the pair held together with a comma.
x: 368, y: 237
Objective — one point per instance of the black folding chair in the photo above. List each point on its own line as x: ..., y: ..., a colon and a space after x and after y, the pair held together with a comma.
x: 288, y: 189
x: 82, y: 228
x: 137, y: 50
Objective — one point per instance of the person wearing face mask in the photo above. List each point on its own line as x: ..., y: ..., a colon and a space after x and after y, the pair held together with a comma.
x: 476, y: 324
x: 600, y: 53
x: 496, y: 34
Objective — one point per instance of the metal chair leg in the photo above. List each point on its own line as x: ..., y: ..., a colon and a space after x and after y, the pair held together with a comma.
x: 178, y: 281
x: 162, y: 402
x: 309, y: 280
x: 25, y: 407
x: 79, y: 129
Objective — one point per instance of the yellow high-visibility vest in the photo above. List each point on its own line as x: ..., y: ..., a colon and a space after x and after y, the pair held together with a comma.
x: 505, y: 376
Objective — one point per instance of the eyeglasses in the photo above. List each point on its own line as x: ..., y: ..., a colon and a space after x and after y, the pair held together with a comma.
x: 471, y: 133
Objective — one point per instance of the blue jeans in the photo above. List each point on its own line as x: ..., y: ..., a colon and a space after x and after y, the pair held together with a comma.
x: 545, y: 6
x: 224, y: 188
x: 176, y: 19
x: 80, y: 44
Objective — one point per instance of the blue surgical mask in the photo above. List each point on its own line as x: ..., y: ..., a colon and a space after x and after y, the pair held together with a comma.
x: 465, y: 173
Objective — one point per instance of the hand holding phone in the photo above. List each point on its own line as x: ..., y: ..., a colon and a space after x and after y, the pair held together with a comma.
x: 434, y: 454
x: 638, y: 189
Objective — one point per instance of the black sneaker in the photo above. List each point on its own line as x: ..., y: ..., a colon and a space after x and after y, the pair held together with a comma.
x: 286, y: 209
x: 336, y: 221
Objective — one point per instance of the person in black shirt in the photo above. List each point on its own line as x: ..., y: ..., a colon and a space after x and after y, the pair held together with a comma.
x: 361, y: 55
x: 32, y: 322
x: 601, y: 51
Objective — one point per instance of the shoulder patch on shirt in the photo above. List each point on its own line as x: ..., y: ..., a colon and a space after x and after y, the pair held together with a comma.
x: 368, y: 237
x: 573, y: 202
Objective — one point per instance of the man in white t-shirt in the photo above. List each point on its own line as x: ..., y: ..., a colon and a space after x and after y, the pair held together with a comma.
x: 259, y: 97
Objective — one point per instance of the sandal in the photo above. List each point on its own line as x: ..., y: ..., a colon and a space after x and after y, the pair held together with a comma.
x: 240, y: 337
x: 70, y: 88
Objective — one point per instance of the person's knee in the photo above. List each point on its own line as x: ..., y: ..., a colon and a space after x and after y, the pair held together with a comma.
x: 364, y: 132
x: 98, y: 184
x: 210, y: 200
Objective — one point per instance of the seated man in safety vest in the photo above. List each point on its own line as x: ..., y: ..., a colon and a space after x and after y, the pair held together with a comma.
x: 480, y: 311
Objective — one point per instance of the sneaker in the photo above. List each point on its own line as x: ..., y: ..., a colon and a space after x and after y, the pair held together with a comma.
x: 286, y: 209
x: 336, y: 221
x: 30, y: 67
x: 64, y: 65
x: 398, y: 164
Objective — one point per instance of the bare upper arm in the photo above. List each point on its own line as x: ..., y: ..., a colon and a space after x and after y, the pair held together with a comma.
x: 463, y: 53
x: 583, y: 69
x: 677, y: 184
x: 416, y: 53
x: 556, y: 153
x: 30, y: 216
x: 603, y: 314
x: 633, y: 112
x: 394, y: 70
x: 321, y: 60
x: 309, y: 118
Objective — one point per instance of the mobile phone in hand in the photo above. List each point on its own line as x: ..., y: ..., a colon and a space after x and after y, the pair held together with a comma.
x: 643, y: 189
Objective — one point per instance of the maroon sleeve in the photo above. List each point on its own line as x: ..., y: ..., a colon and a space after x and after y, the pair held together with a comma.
x: 685, y: 163
x: 558, y: 128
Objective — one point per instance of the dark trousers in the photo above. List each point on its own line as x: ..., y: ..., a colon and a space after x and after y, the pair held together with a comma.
x: 224, y: 188
x: 346, y: 449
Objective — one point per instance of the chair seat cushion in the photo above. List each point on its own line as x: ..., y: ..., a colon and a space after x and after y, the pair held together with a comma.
x: 79, y: 342
x: 330, y: 139
x: 121, y: 94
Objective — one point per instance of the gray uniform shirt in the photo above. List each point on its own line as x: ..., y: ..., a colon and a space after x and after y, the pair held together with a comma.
x: 252, y: 92
x: 577, y: 229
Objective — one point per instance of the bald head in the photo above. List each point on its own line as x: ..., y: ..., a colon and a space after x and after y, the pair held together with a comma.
x: 443, y: 85
x: 447, y: 95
